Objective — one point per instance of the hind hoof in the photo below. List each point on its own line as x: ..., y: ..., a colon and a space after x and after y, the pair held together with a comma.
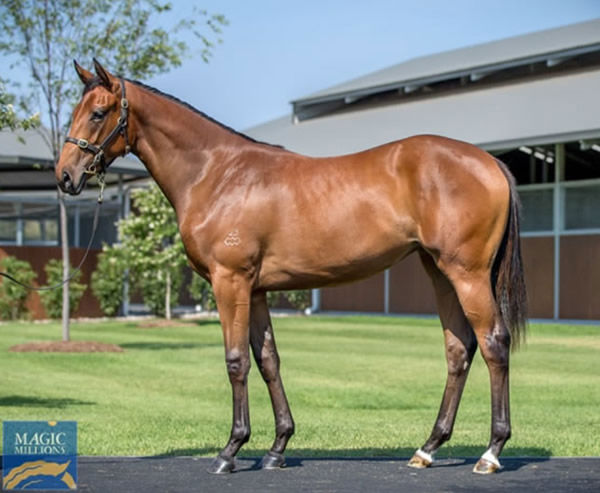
x: 484, y: 466
x: 221, y: 465
x: 272, y: 460
x: 420, y: 460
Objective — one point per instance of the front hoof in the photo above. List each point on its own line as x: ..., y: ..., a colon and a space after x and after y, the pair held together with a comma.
x: 484, y: 466
x: 420, y: 460
x: 272, y: 460
x: 221, y: 465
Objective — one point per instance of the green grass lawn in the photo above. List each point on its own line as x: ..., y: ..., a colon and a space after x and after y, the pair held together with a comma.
x: 366, y: 386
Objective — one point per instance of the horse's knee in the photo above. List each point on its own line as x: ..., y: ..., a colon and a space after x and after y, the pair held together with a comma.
x: 238, y: 365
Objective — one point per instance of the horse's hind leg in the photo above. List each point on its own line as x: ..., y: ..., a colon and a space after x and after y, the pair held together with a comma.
x: 460, y: 347
x: 265, y: 353
x: 475, y: 294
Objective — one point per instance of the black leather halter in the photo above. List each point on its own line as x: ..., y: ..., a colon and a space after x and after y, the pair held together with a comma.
x: 98, y: 164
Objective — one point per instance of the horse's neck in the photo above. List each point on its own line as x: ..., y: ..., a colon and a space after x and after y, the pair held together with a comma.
x: 176, y: 144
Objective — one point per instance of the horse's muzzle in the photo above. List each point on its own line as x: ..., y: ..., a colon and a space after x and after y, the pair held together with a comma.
x: 67, y: 185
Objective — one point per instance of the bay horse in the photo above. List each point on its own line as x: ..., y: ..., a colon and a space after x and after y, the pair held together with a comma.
x: 255, y: 217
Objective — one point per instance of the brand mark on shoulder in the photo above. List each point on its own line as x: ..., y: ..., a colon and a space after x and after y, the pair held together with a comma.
x: 232, y: 238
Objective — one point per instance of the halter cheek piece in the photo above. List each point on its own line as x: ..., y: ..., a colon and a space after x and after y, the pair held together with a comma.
x: 98, y: 165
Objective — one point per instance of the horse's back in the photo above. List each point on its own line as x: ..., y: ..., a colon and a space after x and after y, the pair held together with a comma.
x: 344, y: 218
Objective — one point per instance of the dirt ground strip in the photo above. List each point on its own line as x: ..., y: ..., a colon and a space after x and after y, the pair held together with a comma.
x: 349, y: 475
x: 66, y: 347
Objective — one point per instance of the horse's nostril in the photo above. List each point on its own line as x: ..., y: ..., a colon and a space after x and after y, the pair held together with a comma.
x: 66, y: 178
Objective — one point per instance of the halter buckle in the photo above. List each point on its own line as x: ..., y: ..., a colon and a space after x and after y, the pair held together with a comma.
x: 82, y: 143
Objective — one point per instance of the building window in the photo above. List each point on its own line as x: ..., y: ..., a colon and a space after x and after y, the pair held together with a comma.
x: 537, y: 206
x: 40, y: 231
x: 582, y: 207
x: 8, y: 231
x: 582, y: 160
x: 530, y: 164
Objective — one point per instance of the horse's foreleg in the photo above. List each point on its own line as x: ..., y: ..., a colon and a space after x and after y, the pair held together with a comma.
x: 460, y: 347
x: 232, y: 293
x: 265, y: 353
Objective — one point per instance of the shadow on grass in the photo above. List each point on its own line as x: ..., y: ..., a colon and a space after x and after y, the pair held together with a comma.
x: 49, y: 402
x: 158, y: 346
x: 206, y: 321
x: 458, y: 455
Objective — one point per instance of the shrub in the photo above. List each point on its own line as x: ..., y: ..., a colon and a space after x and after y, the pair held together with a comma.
x: 201, y: 292
x: 52, y: 299
x: 159, y: 286
x: 107, y: 279
x: 13, y: 296
x: 299, y: 299
x: 153, y: 249
x: 273, y: 298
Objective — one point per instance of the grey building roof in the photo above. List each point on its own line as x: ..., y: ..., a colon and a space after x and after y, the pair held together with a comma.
x: 518, y: 48
x: 551, y: 107
x: 557, y: 109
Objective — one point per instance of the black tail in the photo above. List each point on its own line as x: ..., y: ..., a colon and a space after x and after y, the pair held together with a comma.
x: 508, y: 279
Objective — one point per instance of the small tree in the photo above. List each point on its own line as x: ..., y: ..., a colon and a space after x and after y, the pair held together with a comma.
x: 153, y: 249
x: 107, y: 279
x: 44, y: 36
x: 13, y: 297
x: 52, y: 298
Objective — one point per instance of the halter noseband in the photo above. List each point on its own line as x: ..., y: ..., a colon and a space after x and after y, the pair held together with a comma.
x: 98, y: 164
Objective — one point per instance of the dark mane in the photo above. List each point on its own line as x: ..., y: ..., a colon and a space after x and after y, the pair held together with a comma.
x: 96, y: 81
x: 201, y: 113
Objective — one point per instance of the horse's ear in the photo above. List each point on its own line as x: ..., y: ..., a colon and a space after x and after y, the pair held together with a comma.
x: 104, y: 75
x: 85, y: 75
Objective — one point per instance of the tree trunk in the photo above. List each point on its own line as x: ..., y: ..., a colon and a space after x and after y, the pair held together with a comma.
x: 64, y: 240
x: 168, y: 297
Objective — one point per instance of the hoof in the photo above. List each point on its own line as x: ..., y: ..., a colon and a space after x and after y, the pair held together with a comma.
x: 484, y: 466
x: 420, y: 460
x: 221, y: 465
x: 272, y: 460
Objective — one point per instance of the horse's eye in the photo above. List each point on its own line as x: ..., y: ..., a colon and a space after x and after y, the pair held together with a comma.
x: 97, y: 115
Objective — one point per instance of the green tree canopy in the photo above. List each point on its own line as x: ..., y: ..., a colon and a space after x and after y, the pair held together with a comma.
x: 153, y: 250
x: 8, y: 115
x: 42, y: 37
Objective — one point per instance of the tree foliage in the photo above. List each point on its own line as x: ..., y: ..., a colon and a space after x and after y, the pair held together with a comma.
x: 8, y: 116
x: 42, y: 37
x: 153, y: 249
x: 52, y: 298
x: 13, y: 297
x: 202, y: 293
x: 107, y: 279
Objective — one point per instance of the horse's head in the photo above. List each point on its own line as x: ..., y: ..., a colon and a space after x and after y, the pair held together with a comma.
x: 98, y: 131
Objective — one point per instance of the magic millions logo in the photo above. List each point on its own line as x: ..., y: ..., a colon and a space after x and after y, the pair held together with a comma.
x: 39, y: 455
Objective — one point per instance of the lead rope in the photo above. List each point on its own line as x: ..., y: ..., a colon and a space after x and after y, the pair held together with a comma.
x: 101, y: 183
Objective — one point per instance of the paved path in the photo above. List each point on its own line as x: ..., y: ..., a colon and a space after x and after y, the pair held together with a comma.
x: 348, y: 475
